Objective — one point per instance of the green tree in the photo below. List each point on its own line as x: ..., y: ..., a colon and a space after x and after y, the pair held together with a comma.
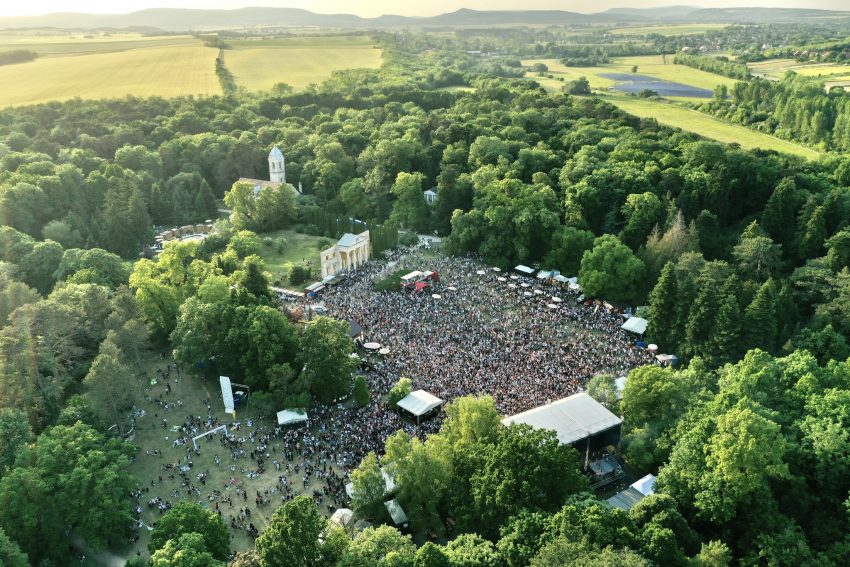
x: 368, y: 488
x: 361, y: 391
x: 642, y: 212
x: 471, y: 420
x: 603, y: 389
x: 293, y: 535
x: 431, y: 555
x: 565, y: 552
x: 12, y: 556
x: 62, y: 232
x: 188, y: 518
x: 757, y: 257
x: 15, y: 433
x: 400, y: 390
x: 471, y: 550
x: 760, y: 318
x: 567, y: 247
x: 611, y: 270
x: 410, y: 209
x: 111, y: 386
x: 663, y: 315
x: 383, y: 546
x: 521, y: 538
x: 327, y: 366
x: 245, y: 243
x: 186, y: 550
x: 580, y: 86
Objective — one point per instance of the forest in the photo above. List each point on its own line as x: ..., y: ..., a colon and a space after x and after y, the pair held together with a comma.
x: 740, y: 260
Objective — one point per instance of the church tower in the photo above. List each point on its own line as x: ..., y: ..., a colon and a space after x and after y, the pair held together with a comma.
x: 277, y: 166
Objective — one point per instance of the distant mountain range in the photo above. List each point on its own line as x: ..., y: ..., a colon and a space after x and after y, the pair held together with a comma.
x: 173, y: 19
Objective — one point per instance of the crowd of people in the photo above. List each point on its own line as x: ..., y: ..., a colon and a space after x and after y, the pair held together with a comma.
x: 477, y: 331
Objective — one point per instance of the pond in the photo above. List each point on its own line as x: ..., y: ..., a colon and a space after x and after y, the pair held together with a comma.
x: 629, y: 83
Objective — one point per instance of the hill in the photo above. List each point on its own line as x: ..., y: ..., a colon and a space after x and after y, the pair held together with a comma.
x: 172, y: 19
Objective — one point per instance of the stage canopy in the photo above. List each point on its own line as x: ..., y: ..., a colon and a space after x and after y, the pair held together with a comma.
x: 419, y: 402
x: 288, y: 416
x: 342, y: 517
x: 572, y: 419
x: 645, y: 485
x: 635, y: 325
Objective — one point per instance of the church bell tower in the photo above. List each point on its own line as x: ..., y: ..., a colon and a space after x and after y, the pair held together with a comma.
x: 277, y: 166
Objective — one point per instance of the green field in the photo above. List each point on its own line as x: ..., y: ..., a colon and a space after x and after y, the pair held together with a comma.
x: 52, y: 44
x: 681, y: 29
x: 300, y: 249
x: 259, y: 64
x: 160, y: 70
x: 673, y: 115
x: 648, y: 65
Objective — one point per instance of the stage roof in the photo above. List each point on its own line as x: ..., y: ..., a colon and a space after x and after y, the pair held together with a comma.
x: 419, y: 402
x: 572, y: 419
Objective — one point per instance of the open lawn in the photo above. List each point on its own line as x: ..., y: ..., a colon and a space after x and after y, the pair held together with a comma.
x: 260, y: 64
x: 299, y: 249
x: 678, y: 29
x: 673, y: 115
x: 168, y: 71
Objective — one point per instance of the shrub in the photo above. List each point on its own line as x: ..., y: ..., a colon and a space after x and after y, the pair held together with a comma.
x: 299, y: 274
x: 361, y: 391
x: 401, y: 389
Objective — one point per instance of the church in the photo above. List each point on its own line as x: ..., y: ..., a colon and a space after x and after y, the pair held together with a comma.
x: 277, y: 173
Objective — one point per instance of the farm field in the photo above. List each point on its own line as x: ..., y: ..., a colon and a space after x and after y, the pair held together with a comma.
x: 167, y: 71
x: 778, y: 67
x: 681, y: 29
x: 60, y: 45
x: 676, y: 116
x: 648, y: 66
x: 258, y: 65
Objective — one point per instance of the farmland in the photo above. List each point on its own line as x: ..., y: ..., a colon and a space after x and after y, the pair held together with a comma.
x: 776, y: 68
x: 108, y: 67
x: 677, y: 29
x: 259, y: 64
x: 667, y: 112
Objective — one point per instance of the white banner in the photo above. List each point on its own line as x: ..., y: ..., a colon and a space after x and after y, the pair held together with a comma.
x: 227, y: 394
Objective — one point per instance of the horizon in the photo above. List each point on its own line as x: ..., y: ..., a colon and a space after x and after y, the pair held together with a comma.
x: 375, y: 8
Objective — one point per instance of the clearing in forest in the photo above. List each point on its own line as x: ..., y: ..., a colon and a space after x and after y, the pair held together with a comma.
x: 288, y: 248
x: 259, y: 64
x: 161, y: 70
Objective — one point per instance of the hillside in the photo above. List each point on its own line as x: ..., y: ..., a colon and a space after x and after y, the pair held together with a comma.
x: 172, y: 19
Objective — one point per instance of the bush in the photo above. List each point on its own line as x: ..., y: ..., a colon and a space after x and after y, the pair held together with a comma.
x: 280, y: 245
x: 267, y: 241
x: 361, y: 391
x: 401, y: 389
x: 323, y: 244
x: 408, y: 239
x: 299, y: 275
x: 245, y: 243
x: 390, y: 283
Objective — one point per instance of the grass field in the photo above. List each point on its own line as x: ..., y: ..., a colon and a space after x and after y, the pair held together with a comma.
x: 166, y: 71
x: 649, y: 66
x: 680, y: 29
x: 673, y: 115
x: 300, y: 248
x: 260, y: 64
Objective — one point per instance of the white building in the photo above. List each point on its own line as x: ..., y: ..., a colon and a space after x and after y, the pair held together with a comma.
x: 351, y: 252
x: 430, y: 196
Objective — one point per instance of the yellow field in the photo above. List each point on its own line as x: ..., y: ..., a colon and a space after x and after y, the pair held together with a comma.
x: 260, y: 64
x: 649, y: 66
x: 152, y: 71
x: 778, y: 67
x: 58, y: 45
x: 673, y: 115
x: 682, y: 29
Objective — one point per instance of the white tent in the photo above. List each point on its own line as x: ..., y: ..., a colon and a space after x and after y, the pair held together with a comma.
x: 396, y: 512
x: 620, y: 384
x: 342, y: 517
x: 372, y: 346
x: 635, y: 325
x: 419, y: 403
x: 525, y: 270
x: 645, y: 485
x: 287, y: 416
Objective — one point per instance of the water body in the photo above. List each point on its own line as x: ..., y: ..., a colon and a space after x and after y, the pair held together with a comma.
x: 629, y: 83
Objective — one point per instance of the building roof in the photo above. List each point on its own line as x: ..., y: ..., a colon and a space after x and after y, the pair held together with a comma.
x: 524, y: 270
x: 348, y: 240
x: 275, y: 153
x: 626, y: 499
x: 354, y: 328
x: 419, y: 402
x: 645, y: 485
x: 572, y: 419
x: 430, y: 192
x: 635, y: 325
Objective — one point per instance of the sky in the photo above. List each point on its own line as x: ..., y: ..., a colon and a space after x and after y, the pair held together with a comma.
x: 371, y: 8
